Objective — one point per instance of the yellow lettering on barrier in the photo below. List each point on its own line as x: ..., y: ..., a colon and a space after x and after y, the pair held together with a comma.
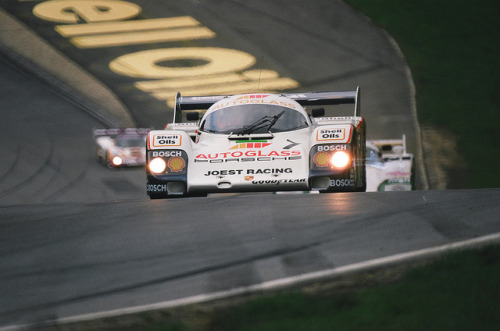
x: 143, y: 37
x: 247, y: 81
x: 222, y: 71
x: 175, y: 84
x: 90, y: 10
x: 243, y: 87
x: 109, y: 34
x: 145, y: 64
x: 126, y: 26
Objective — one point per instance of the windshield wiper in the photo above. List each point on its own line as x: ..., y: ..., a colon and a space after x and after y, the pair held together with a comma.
x: 274, y: 120
x: 266, y: 121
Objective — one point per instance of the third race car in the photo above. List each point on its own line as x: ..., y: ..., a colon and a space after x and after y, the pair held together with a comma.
x: 389, y: 167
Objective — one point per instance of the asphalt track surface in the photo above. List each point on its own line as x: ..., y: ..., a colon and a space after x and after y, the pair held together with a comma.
x: 77, y: 238
x: 62, y: 260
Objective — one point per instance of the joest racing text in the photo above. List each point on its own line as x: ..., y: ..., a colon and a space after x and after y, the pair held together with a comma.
x: 248, y: 172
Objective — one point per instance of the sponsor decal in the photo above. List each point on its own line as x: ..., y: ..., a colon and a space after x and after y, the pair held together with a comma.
x: 395, y: 184
x: 163, y: 140
x: 398, y: 181
x: 175, y: 161
x: 245, y: 144
x: 341, y: 182
x: 399, y: 174
x: 321, y: 159
x: 330, y: 134
x: 239, y: 154
x: 253, y: 96
x: 157, y: 188
x: 166, y: 153
x: 278, y: 181
x: 269, y: 171
x: 329, y: 148
x: 176, y: 164
x: 291, y: 145
x: 231, y: 172
x: 250, y: 159
x: 248, y: 178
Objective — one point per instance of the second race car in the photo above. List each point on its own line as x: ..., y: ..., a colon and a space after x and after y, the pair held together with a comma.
x: 256, y: 143
x: 121, y: 147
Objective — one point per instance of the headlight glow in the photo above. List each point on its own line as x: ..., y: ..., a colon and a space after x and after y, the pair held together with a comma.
x: 340, y: 159
x: 157, y: 165
x: 117, y: 161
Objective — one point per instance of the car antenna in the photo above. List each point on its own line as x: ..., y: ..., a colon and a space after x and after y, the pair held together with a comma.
x: 260, y: 72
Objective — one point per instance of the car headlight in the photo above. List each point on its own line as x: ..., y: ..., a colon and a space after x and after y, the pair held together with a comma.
x: 340, y: 159
x: 157, y: 165
x: 117, y: 161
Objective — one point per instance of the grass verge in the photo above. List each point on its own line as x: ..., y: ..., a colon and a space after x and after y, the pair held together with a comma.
x: 458, y: 292
x: 453, y: 50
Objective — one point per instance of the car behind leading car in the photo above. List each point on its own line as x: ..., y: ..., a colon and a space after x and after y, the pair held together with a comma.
x: 121, y: 147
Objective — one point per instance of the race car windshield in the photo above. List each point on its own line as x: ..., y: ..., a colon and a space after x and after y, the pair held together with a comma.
x: 372, y: 156
x: 131, y: 142
x: 246, y: 119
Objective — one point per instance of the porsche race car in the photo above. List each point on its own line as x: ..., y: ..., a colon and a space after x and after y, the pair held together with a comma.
x: 389, y: 167
x: 121, y: 147
x: 259, y: 142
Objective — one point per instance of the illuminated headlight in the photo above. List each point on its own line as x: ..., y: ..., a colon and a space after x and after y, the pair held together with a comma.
x: 340, y: 159
x: 117, y: 161
x: 157, y: 165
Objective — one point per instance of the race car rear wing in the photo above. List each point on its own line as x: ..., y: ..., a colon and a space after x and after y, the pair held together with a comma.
x: 304, y: 99
x: 391, y: 146
x: 113, y: 132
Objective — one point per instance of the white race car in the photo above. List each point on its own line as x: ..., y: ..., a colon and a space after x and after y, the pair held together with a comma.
x: 389, y: 167
x: 121, y: 147
x: 258, y: 142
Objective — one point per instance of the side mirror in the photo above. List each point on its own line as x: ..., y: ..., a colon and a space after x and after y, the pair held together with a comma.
x: 193, y: 116
x: 318, y: 112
